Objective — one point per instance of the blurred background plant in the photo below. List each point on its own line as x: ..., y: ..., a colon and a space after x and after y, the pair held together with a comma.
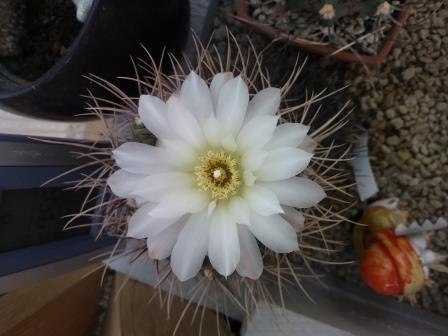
x: 331, y: 27
x: 331, y: 10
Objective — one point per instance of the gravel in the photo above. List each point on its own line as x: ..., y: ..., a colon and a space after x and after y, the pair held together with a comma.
x: 410, y: 138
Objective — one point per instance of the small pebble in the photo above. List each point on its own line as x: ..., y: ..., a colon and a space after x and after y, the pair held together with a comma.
x: 397, y: 123
x: 393, y: 140
x: 408, y: 73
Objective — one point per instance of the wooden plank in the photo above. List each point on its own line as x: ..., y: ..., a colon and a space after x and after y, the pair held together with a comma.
x: 66, y: 305
x: 139, y: 317
x: 15, y: 123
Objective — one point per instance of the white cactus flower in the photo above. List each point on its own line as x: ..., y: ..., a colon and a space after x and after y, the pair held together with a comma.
x: 222, y: 175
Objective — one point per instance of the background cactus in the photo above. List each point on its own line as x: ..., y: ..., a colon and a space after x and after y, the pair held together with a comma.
x: 331, y: 10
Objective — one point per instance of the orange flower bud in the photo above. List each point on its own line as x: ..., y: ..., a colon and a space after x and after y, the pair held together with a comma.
x: 390, y: 265
x: 376, y: 217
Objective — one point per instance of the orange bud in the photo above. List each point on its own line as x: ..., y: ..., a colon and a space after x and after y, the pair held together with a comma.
x: 375, y: 218
x: 390, y: 265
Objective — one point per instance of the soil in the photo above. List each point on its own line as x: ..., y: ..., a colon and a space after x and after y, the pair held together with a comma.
x: 47, y: 30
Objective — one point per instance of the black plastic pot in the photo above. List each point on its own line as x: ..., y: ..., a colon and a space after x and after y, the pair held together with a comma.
x: 113, y: 31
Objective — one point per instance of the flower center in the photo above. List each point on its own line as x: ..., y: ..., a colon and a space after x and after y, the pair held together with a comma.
x: 218, y: 173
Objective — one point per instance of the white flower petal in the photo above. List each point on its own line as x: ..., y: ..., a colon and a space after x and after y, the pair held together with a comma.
x: 212, y: 131
x: 161, y: 245
x: 181, y: 202
x: 308, y: 144
x: 177, y: 153
x: 262, y: 200
x: 239, y: 208
x: 264, y: 103
x: 232, y: 105
x: 288, y: 135
x: 228, y: 142
x: 223, y: 246
x: 143, y: 225
x: 249, y: 178
x: 139, y: 158
x: 195, y: 96
x: 274, y: 232
x: 253, y: 159
x: 190, y: 249
x: 283, y: 163
x: 156, y: 186
x: 183, y: 123
x: 210, y: 208
x: 257, y: 132
x: 217, y: 83
x: 123, y: 183
x: 153, y: 113
x: 294, y: 217
x: 299, y: 192
x: 251, y: 262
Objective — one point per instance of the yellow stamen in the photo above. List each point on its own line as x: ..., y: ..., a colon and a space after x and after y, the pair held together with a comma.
x: 218, y: 173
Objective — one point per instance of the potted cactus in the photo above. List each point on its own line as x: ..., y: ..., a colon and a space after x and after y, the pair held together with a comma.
x: 347, y: 30
x: 47, y: 46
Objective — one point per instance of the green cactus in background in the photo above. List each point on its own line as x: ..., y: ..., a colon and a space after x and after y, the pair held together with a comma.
x: 331, y: 10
